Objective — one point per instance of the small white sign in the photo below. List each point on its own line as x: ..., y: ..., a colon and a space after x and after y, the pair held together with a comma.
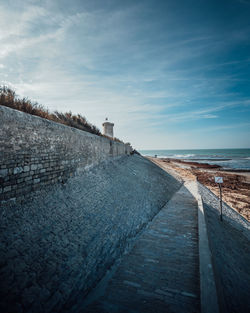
x: 218, y: 179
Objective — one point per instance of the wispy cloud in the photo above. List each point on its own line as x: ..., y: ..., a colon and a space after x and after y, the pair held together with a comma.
x: 244, y: 1
x: 111, y: 61
x: 204, y: 113
x: 226, y: 127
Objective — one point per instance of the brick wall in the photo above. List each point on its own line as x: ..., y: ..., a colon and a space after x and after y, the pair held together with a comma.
x: 35, y: 152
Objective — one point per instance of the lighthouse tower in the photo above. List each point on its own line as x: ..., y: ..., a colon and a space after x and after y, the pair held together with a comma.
x: 108, y: 128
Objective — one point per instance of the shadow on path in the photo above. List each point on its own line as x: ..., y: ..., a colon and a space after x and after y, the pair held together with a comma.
x: 161, y: 272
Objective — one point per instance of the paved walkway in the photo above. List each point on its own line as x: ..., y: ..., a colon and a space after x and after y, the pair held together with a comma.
x: 161, y: 273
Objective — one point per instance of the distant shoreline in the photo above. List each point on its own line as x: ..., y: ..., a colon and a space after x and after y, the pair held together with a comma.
x: 236, y: 185
x: 235, y: 160
x: 206, y: 165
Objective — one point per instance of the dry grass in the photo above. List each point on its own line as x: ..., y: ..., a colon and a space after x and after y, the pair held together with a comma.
x: 9, y: 99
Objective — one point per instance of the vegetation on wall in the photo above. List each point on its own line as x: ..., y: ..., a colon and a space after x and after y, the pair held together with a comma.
x: 9, y: 99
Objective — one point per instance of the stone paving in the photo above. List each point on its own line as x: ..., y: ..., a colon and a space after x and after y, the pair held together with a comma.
x: 62, y: 241
x: 161, y: 273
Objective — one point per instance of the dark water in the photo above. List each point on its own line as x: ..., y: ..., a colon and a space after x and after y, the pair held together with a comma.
x: 227, y: 158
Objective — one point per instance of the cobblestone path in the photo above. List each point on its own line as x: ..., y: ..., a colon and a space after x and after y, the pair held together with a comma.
x: 161, y: 272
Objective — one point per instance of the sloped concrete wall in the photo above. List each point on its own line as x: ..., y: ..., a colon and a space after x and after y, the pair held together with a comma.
x: 56, y: 246
x: 35, y: 152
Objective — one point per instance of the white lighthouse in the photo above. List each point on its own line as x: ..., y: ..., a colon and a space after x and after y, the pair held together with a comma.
x: 108, y: 128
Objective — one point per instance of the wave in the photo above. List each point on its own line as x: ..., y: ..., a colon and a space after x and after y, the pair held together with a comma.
x: 174, y: 156
x: 182, y: 156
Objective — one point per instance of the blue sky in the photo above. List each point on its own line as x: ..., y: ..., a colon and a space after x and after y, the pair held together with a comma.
x: 169, y: 74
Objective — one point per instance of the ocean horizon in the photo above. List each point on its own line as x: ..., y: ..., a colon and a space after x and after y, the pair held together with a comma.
x: 227, y: 158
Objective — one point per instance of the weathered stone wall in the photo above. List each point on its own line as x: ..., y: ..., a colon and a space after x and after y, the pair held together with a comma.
x: 35, y: 152
x: 55, y: 246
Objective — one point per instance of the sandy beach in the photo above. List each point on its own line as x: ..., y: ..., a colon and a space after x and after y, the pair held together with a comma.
x: 235, y: 188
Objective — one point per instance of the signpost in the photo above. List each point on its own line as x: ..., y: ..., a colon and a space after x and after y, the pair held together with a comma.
x: 219, y: 181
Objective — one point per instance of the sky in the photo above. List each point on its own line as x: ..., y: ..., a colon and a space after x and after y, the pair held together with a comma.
x: 170, y: 74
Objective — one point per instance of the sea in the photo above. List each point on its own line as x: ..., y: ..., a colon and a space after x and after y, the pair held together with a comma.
x: 236, y: 159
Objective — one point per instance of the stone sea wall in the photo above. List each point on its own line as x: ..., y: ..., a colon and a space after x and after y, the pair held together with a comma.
x: 35, y: 152
x: 55, y: 246
x: 91, y: 199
